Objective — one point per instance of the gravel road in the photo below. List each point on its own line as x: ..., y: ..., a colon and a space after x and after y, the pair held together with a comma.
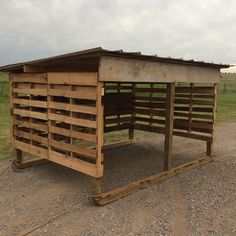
x: 53, y: 200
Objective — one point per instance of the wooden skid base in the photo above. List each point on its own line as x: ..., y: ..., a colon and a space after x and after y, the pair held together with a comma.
x: 118, y: 193
x: 118, y: 144
x: 30, y: 163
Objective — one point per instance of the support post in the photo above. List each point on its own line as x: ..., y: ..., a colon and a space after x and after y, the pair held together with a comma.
x: 210, y: 144
x: 209, y: 149
x: 96, y: 186
x: 169, y: 126
x: 18, y: 156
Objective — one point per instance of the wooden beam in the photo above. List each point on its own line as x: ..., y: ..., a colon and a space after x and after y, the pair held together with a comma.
x: 113, y: 195
x: 118, y: 144
x: 18, y: 156
x: 30, y: 163
x: 169, y: 126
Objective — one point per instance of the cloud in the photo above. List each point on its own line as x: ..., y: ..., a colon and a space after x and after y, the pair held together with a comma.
x: 203, y: 30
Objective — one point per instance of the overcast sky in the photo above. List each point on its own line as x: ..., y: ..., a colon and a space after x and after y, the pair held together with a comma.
x: 203, y: 30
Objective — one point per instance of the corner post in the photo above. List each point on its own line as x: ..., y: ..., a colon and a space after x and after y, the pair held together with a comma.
x: 169, y: 126
x: 210, y: 144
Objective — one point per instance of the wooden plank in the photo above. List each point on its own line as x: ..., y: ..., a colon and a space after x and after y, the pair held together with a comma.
x: 199, y: 116
x: 36, y: 126
x: 169, y: 126
x: 30, y: 163
x: 33, y: 103
x: 116, y: 120
x: 74, y: 163
x: 72, y: 120
x: 25, y: 147
x: 153, y: 129
x: 72, y: 107
x: 113, y: 69
x: 84, y: 93
x: 82, y: 78
x: 117, y: 144
x: 192, y: 136
x: 121, y: 192
x: 100, y: 128
x: 117, y: 127
x: 32, y: 114
x: 150, y: 90
x: 147, y: 119
x: 74, y: 134
x: 35, y: 78
x: 142, y: 111
x: 40, y: 92
x: 194, y: 124
x: 30, y: 136
x: 73, y: 148
x: 160, y: 105
x: 201, y: 90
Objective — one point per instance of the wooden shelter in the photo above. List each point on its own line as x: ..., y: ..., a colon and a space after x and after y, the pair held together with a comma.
x: 62, y: 106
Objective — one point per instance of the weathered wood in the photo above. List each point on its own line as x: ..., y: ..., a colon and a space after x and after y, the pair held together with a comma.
x: 114, y: 69
x: 31, y: 163
x: 18, y: 156
x: 169, y: 126
x: 84, y: 79
x: 100, y: 128
x: 118, y: 144
x: 74, y: 163
x: 113, y: 195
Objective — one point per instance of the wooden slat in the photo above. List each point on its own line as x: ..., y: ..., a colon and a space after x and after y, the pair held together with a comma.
x: 148, y: 128
x: 72, y: 148
x: 195, y: 109
x: 150, y: 90
x: 150, y: 104
x: 192, y: 136
x: 148, y: 119
x: 84, y: 79
x: 83, y: 93
x: 74, y: 163
x: 33, y: 103
x: 32, y: 114
x: 40, y: 92
x: 194, y: 102
x: 194, y: 124
x: 199, y: 116
x: 74, y: 134
x: 34, y: 78
x: 118, y: 120
x: 72, y: 120
x: 25, y: 147
x: 29, y: 136
x: 123, y: 191
x: 150, y: 111
x: 117, y: 127
x: 73, y: 107
x: 40, y: 127
x: 147, y: 98
x: 201, y: 90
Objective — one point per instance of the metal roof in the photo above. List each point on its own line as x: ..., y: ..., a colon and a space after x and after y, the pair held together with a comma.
x: 99, y: 51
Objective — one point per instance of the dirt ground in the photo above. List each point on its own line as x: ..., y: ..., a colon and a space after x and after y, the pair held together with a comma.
x: 53, y: 200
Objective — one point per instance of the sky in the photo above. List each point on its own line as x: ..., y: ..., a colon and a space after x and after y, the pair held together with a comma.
x: 200, y: 29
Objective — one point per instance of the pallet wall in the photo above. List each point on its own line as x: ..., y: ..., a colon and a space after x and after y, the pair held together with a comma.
x: 142, y: 106
x: 55, y: 116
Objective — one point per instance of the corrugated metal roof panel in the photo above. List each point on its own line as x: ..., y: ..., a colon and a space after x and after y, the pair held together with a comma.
x: 97, y: 52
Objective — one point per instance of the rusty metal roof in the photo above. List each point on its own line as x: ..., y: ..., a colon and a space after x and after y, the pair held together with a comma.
x: 98, y: 52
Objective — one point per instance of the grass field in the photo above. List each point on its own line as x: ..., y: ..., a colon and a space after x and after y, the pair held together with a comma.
x: 226, y: 109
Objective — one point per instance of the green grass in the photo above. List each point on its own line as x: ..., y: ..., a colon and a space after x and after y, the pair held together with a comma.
x: 226, y: 111
x: 5, y: 147
x: 226, y: 101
